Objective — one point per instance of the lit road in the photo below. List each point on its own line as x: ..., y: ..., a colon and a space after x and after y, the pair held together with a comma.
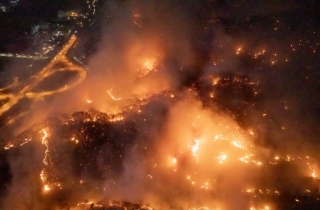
x: 25, y: 89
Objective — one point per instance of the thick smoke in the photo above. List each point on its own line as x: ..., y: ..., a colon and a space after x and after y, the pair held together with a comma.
x: 190, y: 152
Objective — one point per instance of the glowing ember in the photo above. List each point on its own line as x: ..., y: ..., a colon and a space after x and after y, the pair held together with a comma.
x: 148, y: 65
x: 221, y: 158
x: 195, y: 147
x: 46, y: 188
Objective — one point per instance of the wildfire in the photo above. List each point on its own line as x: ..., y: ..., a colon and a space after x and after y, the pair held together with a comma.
x: 199, y: 146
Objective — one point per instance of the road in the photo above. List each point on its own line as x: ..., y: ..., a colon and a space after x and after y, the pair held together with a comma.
x: 25, y: 89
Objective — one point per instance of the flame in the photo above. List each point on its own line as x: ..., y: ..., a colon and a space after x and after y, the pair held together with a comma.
x: 148, y: 65
x: 195, y: 147
x: 214, y: 82
x: 222, y: 157
x: 237, y: 144
x: 8, y: 146
x: 174, y: 160
x: 47, y: 188
x: 45, y: 142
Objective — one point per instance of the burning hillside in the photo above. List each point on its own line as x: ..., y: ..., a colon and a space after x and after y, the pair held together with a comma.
x: 165, y: 115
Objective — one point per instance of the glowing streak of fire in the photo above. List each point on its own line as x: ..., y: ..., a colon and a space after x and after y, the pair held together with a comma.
x: 10, y: 145
x: 45, y: 142
x: 42, y: 176
x: 313, y: 171
x: 250, y: 190
x: 46, y: 159
x: 237, y: 144
x: 245, y: 158
x: 86, y: 203
x: 113, y: 98
x: 116, y: 119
